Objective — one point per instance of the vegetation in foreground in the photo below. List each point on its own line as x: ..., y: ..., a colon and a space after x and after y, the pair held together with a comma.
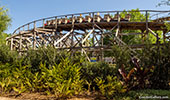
x: 55, y: 72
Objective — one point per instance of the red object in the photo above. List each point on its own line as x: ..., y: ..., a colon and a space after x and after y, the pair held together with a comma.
x: 45, y: 24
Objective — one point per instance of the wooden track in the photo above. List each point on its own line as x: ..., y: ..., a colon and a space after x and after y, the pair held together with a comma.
x: 85, y: 32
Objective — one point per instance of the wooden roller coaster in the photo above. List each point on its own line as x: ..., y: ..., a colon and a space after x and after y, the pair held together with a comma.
x: 85, y: 31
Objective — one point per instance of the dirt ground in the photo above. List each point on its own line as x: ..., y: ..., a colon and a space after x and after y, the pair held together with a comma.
x: 42, y: 96
x: 5, y: 98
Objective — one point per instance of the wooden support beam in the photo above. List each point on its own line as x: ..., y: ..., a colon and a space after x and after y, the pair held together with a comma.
x: 153, y: 33
x: 56, y: 22
x: 87, y: 36
x: 34, y: 40
x: 20, y: 43
x: 86, y: 54
x: 43, y: 23
x: 64, y: 37
x: 102, y: 57
x: 12, y: 43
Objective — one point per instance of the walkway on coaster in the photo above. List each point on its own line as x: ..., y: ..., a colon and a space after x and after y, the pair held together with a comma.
x: 74, y: 31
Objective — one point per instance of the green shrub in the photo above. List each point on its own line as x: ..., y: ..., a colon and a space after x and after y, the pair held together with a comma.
x: 7, y: 56
x: 62, y: 79
x: 147, y: 92
x: 159, y: 57
x: 110, y: 87
x: 93, y: 70
x: 49, y: 55
x: 122, y: 56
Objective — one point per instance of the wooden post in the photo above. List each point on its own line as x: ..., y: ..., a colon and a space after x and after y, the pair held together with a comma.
x: 34, y: 36
x: 53, y: 39
x: 20, y: 40
x: 34, y: 42
x: 55, y: 22
x: 34, y: 25
x: 164, y: 37
x: 93, y: 28
x: 43, y: 23
x: 102, y: 56
x: 147, y: 26
x: 72, y: 32
x: 157, y: 39
x: 28, y: 26
x: 142, y: 36
x: 12, y: 43
x: 23, y: 28
x: 20, y: 43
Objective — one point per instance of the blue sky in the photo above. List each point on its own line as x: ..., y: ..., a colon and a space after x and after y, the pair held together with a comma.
x: 24, y: 11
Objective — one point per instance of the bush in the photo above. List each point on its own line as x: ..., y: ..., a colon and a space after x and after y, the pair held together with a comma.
x: 7, y: 56
x: 157, y: 56
x: 148, y: 92
x: 49, y: 55
x: 93, y: 70
x: 63, y: 79
x: 122, y: 56
x: 110, y: 87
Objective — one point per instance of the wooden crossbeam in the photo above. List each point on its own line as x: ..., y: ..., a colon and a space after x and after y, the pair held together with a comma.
x: 87, y: 36
x: 64, y: 37
x: 153, y: 33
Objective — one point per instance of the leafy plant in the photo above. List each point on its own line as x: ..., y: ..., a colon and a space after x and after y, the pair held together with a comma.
x: 92, y: 70
x: 137, y: 76
x: 110, y: 87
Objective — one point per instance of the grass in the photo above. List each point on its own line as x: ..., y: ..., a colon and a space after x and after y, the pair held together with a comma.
x: 143, y: 94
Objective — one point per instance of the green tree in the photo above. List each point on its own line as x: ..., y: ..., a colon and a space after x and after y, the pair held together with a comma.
x: 4, y: 23
x: 164, y: 2
x: 3, y: 36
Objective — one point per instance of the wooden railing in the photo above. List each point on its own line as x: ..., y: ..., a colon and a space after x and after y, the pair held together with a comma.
x: 113, y: 15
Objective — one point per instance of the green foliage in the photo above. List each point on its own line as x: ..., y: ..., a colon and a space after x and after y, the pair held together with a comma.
x: 137, y: 76
x: 167, y: 26
x: 4, y: 23
x: 7, y: 56
x: 138, y: 94
x: 110, y: 87
x: 63, y: 79
x: 147, y: 92
x: 45, y: 70
x: 3, y: 36
x: 49, y: 55
x: 92, y: 70
x: 164, y: 2
x: 135, y: 15
x: 142, y: 73
x: 159, y: 57
x: 4, y: 19
x: 122, y: 55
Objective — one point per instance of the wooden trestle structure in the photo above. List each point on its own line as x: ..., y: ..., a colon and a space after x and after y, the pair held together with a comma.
x: 75, y: 31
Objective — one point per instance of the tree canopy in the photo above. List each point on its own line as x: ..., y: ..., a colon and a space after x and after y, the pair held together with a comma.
x: 4, y: 23
x: 164, y: 2
x: 4, y: 19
